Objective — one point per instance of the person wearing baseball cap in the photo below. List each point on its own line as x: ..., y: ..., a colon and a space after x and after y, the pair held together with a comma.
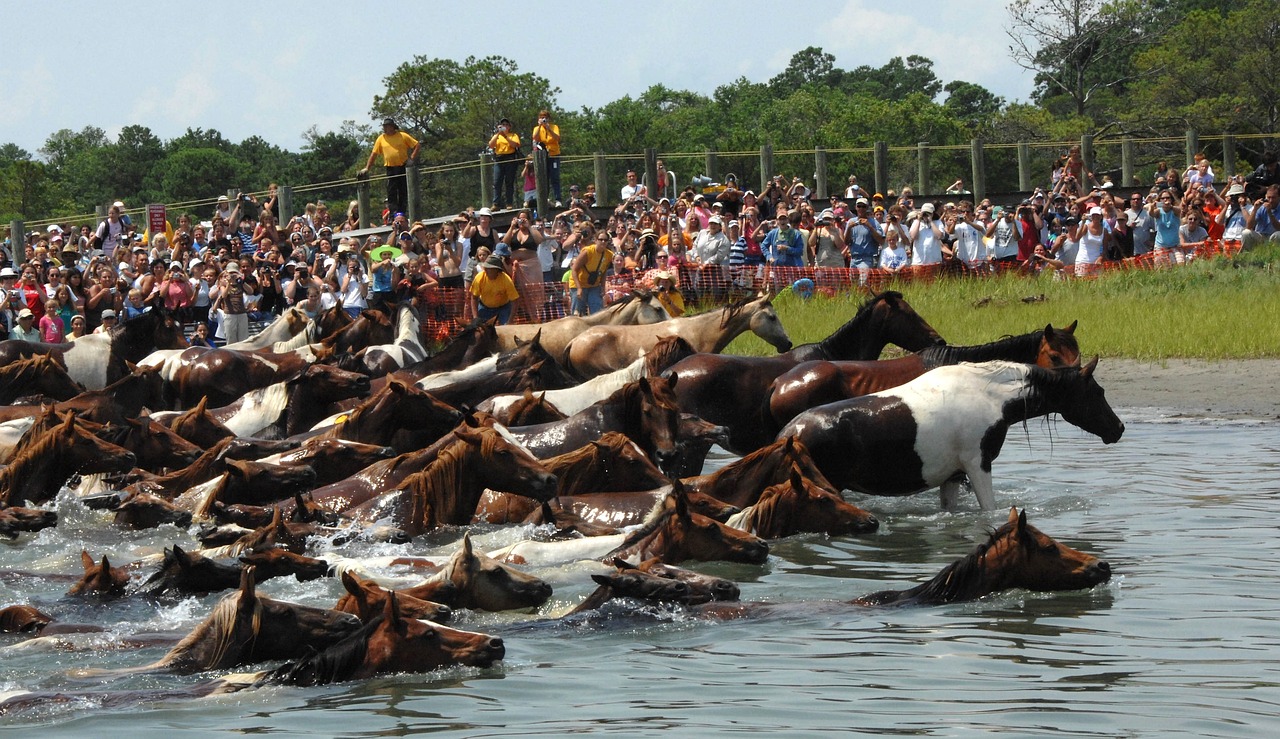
x: 398, y: 149
x: 108, y: 322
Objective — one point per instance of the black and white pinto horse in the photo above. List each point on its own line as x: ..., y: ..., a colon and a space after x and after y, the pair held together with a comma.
x: 405, y: 350
x: 97, y: 360
x: 947, y: 423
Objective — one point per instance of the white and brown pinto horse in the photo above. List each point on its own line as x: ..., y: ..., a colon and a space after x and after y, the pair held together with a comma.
x: 404, y: 350
x: 949, y: 422
x: 604, y: 349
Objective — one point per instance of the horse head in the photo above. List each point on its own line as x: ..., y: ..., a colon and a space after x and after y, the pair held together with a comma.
x: 400, y: 644
x: 275, y: 562
x: 22, y: 619
x: 156, y: 446
x: 652, y: 401
x: 1058, y: 347
x: 282, y: 630
x: 85, y: 453
x: 485, y: 584
x: 900, y: 324
x: 330, y: 383
x: 702, y: 588
x: 1019, y: 555
x: 679, y: 534
x: 145, y: 511
x: 766, y: 324
x: 801, y: 506
x: 1077, y: 396
x: 366, y: 599
x: 507, y: 465
x: 99, y: 578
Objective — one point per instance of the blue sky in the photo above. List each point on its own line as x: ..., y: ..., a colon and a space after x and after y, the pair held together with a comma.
x: 275, y: 69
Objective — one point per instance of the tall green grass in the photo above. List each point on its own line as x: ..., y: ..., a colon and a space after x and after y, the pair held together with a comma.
x: 1212, y: 309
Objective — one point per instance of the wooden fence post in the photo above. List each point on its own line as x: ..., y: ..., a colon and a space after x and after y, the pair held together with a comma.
x: 880, y: 164
x: 1193, y: 145
x: 766, y: 166
x: 651, y: 167
x: 1024, y: 167
x: 284, y: 204
x: 1126, y: 162
x: 1086, y: 155
x: 1228, y: 155
x: 979, y: 166
x: 18, y: 241
x: 362, y: 201
x: 541, y: 181
x: 820, y: 173
x: 602, y: 180
x: 922, y: 168
x: 486, y: 180
x: 413, y: 191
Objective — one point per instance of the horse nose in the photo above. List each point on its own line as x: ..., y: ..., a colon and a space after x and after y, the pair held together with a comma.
x: 443, y: 614
x: 1118, y: 434
x: 496, y: 647
x: 758, y: 552
x: 1100, y: 570
x: 183, y: 519
x: 786, y: 347
x: 666, y: 457
x: 725, y: 590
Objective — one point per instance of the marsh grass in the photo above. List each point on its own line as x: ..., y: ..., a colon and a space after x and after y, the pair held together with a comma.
x: 1213, y: 309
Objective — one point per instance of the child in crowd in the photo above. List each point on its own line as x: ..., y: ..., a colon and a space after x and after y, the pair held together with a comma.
x: 51, y: 328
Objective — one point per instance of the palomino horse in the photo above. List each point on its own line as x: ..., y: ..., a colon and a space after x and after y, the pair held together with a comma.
x: 39, y: 375
x: 611, y: 464
x: 1017, y: 555
x: 391, y: 642
x: 673, y: 534
x: 97, y: 360
x: 640, y: 308
x: 799, y: 506
x: 246, y: 627
x: 404, y: 349
x: 366, y: 599
x: 604, y: 349
x: 448, y: 490
x: 645, y: 411
x: 732, y: 391
x: 42, y: 467
x: 570, y: 400
x: 816, y: 383
x: 950, y: 420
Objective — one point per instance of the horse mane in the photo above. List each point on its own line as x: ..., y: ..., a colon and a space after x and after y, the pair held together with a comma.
x: 832, y: 345
x: 444, y: 475
x: 1021, y: 348
x: 335, y: 664
x: 958, y: 581
x: 732, y: 475
x: 657, y: 518
x: 767, y: 514
x: 198, y: 468
x: 666, y: 352
x: 29, y: 462
x: 19, y: 374
x: 731, y: 311
x: 134, y: 339
x: 221, y: 622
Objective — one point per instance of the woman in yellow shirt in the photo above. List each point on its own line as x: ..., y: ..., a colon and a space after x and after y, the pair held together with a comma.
x: 492, y: 292
x: 505, y: 144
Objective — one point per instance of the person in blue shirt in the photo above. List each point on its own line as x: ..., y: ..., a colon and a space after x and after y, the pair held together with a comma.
x: 1263, y: 222
x: 784, y: 245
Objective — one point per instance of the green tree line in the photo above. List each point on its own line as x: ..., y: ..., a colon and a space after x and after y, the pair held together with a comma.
x: 1111, y: 68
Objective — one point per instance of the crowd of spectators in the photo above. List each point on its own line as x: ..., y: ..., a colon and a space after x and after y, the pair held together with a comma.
x: 243, y: 264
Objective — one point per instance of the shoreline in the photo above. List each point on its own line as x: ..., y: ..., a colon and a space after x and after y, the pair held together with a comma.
x: 1234, y: 389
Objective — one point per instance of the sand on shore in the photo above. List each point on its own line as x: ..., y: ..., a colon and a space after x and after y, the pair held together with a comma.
x: 1230, y: 389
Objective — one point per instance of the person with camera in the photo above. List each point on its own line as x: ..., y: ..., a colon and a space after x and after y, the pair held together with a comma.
x: 505, y: 145
x: 398, y: 149
x: 925, y: 237
x: 1263, y: 221
x: 546, y: 139
x: 1234, y: 215
x: 589, y: 268
x: 230, y: 305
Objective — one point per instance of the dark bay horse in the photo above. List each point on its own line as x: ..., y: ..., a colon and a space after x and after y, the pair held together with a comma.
x: 816, y: 383
x: 389, y: 643
x: 950, y: 420
x: 645, y: 411
x: 733, y: 391
x: 1017, y: 555
x: 396, y: 407
x: 97, y: 360
x: 43, y: 466
x: 656, y: 582
x: 245, y: 627
x: 223, y: 375
x: 126, y: 397
x: 447, y: 491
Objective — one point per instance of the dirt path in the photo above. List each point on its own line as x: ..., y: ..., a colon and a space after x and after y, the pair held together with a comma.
x: 1247, y: 388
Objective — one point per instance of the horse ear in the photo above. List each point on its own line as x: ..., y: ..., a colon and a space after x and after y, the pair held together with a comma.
x: 86, y: 561
x: 106, y: 565
x: 671, y: 380
x: 623, y: 564
x: 528, y: 394
x: 467, y: 550
x: 1013, y: 515
x: 1048, y: 331
x: 1023, y: 536
x: 350, y: 582
x: 1072, y: 328
x: 1087, y: 370
x: 682, y: 503
x: 180, y: 557
x: 248, y: 595
x: 391, y: 612
x: 277, y: 519
x: 644, y: 384
x: 797, y: 480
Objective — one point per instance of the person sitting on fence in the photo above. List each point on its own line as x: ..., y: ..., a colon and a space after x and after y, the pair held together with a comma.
x: 589, y: 269
x: 1263, y: 221
x: 492, y: 292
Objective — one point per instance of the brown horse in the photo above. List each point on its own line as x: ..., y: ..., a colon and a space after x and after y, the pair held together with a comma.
x: 645, y: 411
x: 246, y: 627
x: 192, y: 573
x: 392, y: 643
x: 811, y: 384
x: 471, y: 579
x: 23, y: 619
x: 100, y: 578
x: 394, y: 408
x: 530, y: 410
x: 222, y: 375
x: 38, y: 375
x: 733, y: 391
x: 331, y: 459
x: 42, y: 467
x: 14, y: 521
x: 123, y: 399
x: 799, y: 506
x: 366, y: 599
x: 612, y: 464
x: 295, y: 405
x: 448, y: 490
x: 370, y: 328
x: 656, y: 582
x: 1016, y: 555
x: 156, y: 447
x: 742, y: 481
x: 145, y: 511
x: 603, y: 349
x: 198, y: 426
x: 469, y: 346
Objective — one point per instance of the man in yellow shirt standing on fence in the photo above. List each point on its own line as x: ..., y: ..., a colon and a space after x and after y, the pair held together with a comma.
x: 505, y: 144
x: 398, y: 149
x: 546, y: 136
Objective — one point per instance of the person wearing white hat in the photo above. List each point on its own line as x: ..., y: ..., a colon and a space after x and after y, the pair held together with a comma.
x: 1233, y: 215
x: 925, y: 239
x: 711, y: 254
x: 25, y: 328
x: 1093, y: 238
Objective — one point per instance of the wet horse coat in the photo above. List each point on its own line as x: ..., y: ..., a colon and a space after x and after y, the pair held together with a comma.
x: 949, y: 421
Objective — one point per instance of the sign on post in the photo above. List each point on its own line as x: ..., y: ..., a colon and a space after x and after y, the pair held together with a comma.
x: 156, y: 222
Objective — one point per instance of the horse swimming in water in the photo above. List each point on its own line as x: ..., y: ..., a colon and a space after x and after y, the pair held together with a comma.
x: 949, y: 421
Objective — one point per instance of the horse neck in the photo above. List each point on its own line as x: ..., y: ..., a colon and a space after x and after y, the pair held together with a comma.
x: 407, y: 326
x: 211, y: 642
x: 720, y: 328
x: 579, y: 471
x: 32, y: 470
x: 1024, y: 348
x: 452, y: 484
x: 856, y: 339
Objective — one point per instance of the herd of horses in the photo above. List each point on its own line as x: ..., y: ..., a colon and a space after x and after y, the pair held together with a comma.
x: 589, y: 434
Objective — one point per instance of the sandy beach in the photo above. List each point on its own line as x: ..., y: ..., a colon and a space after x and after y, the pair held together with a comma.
x: 1235, y: 389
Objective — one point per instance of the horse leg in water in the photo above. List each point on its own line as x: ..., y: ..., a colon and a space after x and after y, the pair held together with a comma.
x: 949, y: 493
